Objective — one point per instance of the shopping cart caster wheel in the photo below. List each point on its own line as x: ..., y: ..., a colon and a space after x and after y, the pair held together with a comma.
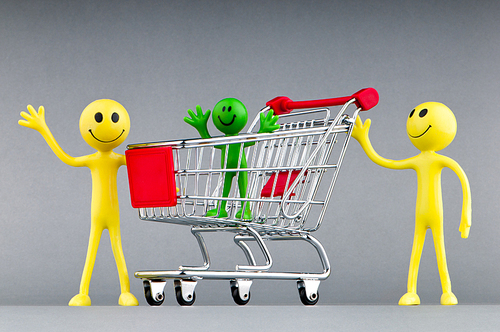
x: 240, y: 291
x: 184, y: 292
x: 308, y: 291
x: 153, y: 296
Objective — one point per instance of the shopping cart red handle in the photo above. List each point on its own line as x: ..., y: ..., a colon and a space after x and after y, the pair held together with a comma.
x: 365, y: 99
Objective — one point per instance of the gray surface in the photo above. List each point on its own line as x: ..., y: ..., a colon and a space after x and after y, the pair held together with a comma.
x: 160, y: 58
x: 252, y: 318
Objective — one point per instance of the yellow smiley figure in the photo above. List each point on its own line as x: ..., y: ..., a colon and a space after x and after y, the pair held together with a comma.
x: 104, y: 125
x: 431, y: 127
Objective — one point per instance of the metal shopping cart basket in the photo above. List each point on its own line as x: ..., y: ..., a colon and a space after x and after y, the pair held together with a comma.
x: 291, y: 175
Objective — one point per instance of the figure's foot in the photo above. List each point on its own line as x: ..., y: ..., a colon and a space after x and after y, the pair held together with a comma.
x: 80, y: 300
x: 213, y: 213
x: 448, y: 299
x: 246, y: 216
x: 409, y: 299
x: 127, y: 299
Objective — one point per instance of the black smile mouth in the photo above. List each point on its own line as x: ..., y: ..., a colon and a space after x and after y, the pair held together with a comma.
x: 227, y: 124
x: 91, y: 133
x: 422, y: 134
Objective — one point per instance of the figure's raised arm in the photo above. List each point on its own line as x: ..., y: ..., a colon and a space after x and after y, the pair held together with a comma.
x: 268, y: 122
x: 360, y: 133
x: 199, y: 121
x: 36, y: 120
x: 466, y: 217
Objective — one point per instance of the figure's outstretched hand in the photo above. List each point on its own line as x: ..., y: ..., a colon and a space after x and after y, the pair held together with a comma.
x: 360, y: 129
x: 268, y: 122
x: 465, y: 222
x: 199, y: 121
x: 34, y: 120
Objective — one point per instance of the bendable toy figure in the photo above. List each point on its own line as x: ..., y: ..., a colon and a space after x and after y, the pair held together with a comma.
x: 431, y: 127
x: 230, y: 117
x: 104, y: 125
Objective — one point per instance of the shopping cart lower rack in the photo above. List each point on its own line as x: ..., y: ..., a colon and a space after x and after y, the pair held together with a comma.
x: 290, y: 173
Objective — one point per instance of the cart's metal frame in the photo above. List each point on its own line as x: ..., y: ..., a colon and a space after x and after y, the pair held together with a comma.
x: 308, y: 144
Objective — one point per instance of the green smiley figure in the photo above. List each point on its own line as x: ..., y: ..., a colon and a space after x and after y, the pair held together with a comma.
x: 230, y: 116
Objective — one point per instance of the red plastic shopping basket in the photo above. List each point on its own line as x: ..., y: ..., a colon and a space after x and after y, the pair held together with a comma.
x: 151, y: 177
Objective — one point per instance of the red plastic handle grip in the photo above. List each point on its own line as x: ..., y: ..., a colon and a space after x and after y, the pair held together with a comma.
x: 365, y: 99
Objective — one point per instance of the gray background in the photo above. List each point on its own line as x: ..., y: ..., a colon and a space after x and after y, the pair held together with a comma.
x: 159, y: 58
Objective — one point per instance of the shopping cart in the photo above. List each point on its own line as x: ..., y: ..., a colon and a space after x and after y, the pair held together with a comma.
x: 291, y: 175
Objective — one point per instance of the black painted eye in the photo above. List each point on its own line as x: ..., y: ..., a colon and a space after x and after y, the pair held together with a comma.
x: 411, y: 113
x: 115, y: 117
x: 229, y: 109
x: 223, y: 108
x: 98, y: 117
x: 422, y: 113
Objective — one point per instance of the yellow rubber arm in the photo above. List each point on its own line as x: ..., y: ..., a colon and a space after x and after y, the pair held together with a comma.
x: 360, y: 133
x: 36, y: 120
x: 466, y: 217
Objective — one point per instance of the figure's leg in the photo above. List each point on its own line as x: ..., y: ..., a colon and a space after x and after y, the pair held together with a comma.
x: 411, y: 297
x: 126, y: 298
x: 448, y: 298
x: 242, y: 185
x: 83, y: 299
x: 228, y: 178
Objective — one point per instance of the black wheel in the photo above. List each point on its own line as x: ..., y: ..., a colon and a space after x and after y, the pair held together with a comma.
x: 236, y: 295
x: 181, y: 300
x: 303, y: 295
x: 149, y: 297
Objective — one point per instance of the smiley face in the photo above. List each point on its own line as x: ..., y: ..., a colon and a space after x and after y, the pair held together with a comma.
x: 104, y: 124
x: 230, y: 116
x: 431, y: 126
